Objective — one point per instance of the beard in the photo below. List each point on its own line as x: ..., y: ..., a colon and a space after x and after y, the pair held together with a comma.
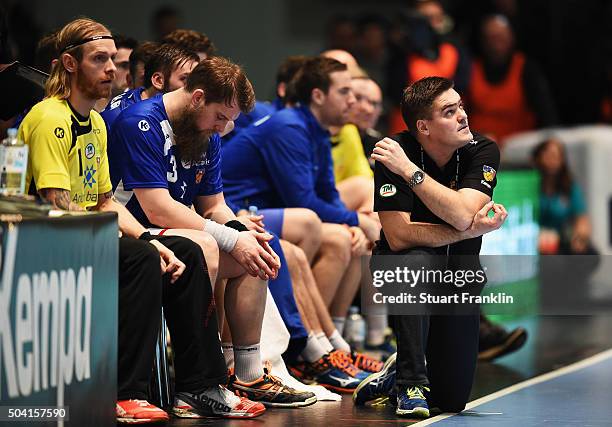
x: 191, y: 142
x: 90, y: 87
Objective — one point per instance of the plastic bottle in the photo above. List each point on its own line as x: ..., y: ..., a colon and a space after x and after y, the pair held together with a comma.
x: 355, y: 328
x: 11, y: 138
x: 13, y: 161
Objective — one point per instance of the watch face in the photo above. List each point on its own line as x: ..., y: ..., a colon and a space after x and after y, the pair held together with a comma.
x: 419, y: 176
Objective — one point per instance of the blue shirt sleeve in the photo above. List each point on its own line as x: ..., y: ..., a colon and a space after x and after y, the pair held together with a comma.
x: 212, y: 182
x: 288, y: 157
x: 141, y: 145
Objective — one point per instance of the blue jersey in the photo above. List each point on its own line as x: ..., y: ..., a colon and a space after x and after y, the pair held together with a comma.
x: 148, y: 158
x: 120, y: 103
x: 110, y: 114
x: 284, y: 161
x: 261, y: 110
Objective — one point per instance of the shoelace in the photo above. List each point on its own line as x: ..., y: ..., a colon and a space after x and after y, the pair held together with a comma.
x: 367, y: 362
x: 344, y: 362
x: 140, y: 402
x: 416, y: 392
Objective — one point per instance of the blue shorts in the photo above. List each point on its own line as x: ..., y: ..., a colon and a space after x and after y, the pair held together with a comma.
x: 273, y: 220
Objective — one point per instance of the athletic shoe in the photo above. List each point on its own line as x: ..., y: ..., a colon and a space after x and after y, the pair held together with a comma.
x: 270, y: 391
x: 377, y: 385
x: 412, y: 402
x: 332, y: 371
x: 366, y: 363
x: 495, y: 341
x: 215, y: 402
x: 135, y: 411
x: 386, y: 349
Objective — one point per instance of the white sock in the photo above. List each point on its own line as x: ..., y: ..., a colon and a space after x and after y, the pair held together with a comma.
x: 324, y: 342
x: 339, y: 323
x: 313, y: 350
x: 338, y: 342
x: 228, y: 354
x: 377, y: 325
x: 247, y: 362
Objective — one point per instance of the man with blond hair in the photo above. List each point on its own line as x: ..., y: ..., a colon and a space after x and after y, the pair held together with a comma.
x: 69, y: 169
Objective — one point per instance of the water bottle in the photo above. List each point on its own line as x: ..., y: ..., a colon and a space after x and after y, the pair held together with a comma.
x: 13, y: 163
x: 253, y: 211
x: 355, y: 328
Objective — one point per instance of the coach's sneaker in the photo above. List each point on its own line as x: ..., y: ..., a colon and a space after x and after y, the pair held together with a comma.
x: 377, y: 385
x: 270, y: 391
x: 412, y: 402
x: 136, y: 411
x: 215, y: 402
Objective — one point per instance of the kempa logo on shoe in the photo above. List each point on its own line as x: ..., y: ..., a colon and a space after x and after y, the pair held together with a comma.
x: 212, y: 403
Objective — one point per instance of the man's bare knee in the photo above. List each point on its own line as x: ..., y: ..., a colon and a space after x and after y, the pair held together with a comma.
x: 337, y: 240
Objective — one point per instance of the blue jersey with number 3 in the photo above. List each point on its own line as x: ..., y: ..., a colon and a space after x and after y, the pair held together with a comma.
x: 148, y: 158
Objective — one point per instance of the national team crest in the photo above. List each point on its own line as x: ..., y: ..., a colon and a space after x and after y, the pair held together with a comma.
x: 488, y: 172
x: 199, y: 175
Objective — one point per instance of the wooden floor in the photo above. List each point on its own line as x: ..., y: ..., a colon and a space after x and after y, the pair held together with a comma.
x: 554, y: 342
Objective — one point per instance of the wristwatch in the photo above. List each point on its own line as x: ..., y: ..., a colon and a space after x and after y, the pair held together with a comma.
x: 417, y: 178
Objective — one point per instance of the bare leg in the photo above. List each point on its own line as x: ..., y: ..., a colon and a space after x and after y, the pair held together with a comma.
x: 208, y: 245
x: 302, y: 227
x: 332, y: 260
x: 357, y: 193
x: 347, y: 289
x: 302, y: 296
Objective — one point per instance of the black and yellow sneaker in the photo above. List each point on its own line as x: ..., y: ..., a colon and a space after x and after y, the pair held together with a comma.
x: 270, y: 391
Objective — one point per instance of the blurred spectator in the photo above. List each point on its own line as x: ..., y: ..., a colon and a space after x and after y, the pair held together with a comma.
x: 192, y: 40
x: 366, y: 111
x: 606, y: 103
x: 563, y: 214
x: 47, y: 53
x: 125, y: 46
x: 165, y: 20
x: 371, y: 51
x: 424, y: 52
x: 341, y: 33
x: 508, y: 92
x: 138, y: 58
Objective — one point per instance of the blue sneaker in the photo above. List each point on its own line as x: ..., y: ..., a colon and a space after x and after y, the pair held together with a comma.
x: 333, y: 371
x: 386, y: 349
x: 412, y: 402
x: 377, y: 385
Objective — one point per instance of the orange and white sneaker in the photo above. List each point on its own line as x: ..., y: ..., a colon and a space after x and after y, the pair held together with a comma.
x: 215, y: 402
x: 136, y: 411
x: 365, y: 363
x: 270, y: 391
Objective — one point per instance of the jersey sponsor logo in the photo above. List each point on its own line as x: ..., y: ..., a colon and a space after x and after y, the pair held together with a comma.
x: 387, y: 190
x: 88, y: 178
x: 488, y: 172
x: 198, y: 177
x: 183, y: 188
x: 59, y: 132
x: 90, y: 150
x: 143, y: 125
